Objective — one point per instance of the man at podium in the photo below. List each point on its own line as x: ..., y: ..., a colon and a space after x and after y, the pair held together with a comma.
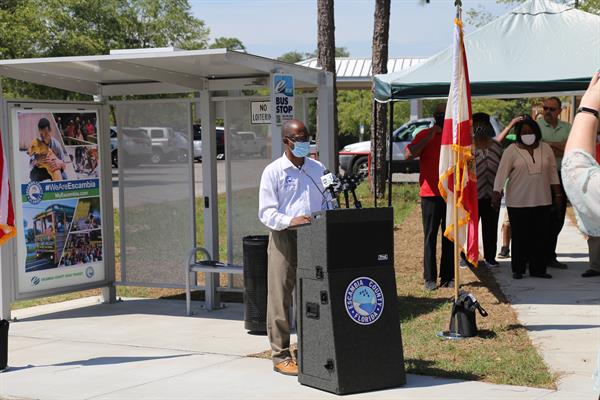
x: 290, y: 191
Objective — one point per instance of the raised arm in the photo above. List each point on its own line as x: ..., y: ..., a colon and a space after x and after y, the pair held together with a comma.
x: 416, y: 147
x: 585, y: 125
x: 502, y: 135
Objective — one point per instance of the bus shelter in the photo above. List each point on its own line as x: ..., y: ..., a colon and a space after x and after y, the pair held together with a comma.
x: 64, y: 187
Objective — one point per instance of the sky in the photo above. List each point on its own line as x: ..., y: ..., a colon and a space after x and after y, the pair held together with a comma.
x: 271, y: 28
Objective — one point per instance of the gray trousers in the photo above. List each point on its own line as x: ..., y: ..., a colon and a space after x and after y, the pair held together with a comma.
x: 594, y: 247
x: 282, y: 263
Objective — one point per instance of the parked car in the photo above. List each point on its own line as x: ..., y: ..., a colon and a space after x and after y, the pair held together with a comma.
x: 354, y: 158
x: 248, y: 143
x: 163, y: 143
x: 181, y: 146
x: 137, y: 147
x: 220, y: 135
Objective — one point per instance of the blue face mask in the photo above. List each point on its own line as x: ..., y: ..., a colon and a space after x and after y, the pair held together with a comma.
x: 301, y: 149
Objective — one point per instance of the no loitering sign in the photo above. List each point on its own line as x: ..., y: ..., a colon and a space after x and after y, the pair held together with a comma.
x: 260, y: 112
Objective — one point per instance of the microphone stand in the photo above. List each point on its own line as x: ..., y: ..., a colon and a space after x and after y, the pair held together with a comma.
x: 354, y: 180
x: 347, y: 201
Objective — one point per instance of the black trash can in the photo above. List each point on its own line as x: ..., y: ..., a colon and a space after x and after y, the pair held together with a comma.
x: 3, y: 344
x: 255, y: 283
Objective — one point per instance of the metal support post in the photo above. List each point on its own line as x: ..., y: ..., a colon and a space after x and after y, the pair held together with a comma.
x: 209, y: 190
x: 109, y: 293
x: 7, y: 252
x: 416, y: 109
x: 390, y: 152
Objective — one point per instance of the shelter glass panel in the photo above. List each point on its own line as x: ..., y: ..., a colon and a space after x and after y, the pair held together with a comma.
x: 156, y: 186
x: 248, y: 152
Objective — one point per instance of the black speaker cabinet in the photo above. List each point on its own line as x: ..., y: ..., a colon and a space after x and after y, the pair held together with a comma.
x: 349, y: 336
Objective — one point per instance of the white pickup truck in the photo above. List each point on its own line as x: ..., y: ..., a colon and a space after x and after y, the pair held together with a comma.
x: 354, y: 158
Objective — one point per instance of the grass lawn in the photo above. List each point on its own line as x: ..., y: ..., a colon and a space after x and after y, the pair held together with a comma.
x: 501, y: 354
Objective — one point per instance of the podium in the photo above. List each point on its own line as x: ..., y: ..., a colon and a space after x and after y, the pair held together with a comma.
x: 349, y: 337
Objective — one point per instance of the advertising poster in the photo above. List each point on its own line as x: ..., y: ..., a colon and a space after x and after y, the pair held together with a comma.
x: 57, y: 178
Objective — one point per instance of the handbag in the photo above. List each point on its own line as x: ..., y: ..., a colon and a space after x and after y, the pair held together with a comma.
x: 463, y: 319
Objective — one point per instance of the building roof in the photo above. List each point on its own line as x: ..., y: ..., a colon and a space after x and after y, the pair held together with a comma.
x: 355, y: 72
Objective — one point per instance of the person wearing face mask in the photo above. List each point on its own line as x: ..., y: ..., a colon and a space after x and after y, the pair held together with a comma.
x: 488, y: 152
x: 555, y: 132
x: 290, y: 191
x: 528, y: 168
x: 426, y: 145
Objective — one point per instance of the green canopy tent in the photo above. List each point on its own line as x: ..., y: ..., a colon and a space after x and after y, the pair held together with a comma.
x: 539, y: 47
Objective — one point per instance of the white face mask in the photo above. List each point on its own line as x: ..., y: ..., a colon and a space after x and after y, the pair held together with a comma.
x: 528, y: 140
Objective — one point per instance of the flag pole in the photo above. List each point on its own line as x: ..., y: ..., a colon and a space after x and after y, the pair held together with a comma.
x: 458, y: 4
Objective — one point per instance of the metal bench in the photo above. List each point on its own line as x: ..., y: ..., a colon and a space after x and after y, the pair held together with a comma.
x: 208, y: 266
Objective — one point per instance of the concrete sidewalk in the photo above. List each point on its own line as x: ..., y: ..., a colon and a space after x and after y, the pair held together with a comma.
x: 562, y: 314
x: 149, y: 349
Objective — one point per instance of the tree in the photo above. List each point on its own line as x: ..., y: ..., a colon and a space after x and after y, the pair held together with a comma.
x: 381, y: 31
x: 54, y: 28
x: 591, y: 6
x: 480, y: 16
x: 229, y: 44
x: 296, y: 56
x: 293, y: 57
x: 326, y: 58
x: 339, y: 52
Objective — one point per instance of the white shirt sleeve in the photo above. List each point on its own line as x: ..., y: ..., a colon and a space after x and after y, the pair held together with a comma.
x: 268, y: 204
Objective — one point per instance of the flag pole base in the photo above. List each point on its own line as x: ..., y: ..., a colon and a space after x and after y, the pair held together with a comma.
x: 447, y: 335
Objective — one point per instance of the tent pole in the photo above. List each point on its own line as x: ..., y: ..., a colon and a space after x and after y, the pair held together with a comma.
x: 390, y: 144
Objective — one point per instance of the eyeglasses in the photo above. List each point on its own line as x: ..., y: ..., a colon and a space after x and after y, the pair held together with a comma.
x: 550, y: 108
x: 297, y: 139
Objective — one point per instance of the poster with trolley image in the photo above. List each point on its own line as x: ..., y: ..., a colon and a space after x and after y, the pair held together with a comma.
x: 57, y: 198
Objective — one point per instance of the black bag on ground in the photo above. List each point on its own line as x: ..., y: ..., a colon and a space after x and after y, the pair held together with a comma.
x: 463, y: 315
x: 3, y: 344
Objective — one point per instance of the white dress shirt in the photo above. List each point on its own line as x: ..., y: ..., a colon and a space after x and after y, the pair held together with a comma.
x: 287, y: 191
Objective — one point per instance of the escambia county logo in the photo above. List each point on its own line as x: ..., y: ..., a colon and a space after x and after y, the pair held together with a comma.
x: 34, y: 192
x: 364, y: 300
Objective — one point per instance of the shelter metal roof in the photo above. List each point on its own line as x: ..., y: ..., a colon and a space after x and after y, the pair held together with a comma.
x: 156, y: 71
x: 356, y: 73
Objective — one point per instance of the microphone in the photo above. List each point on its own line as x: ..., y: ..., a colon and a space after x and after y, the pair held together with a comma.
x: 329, y: 181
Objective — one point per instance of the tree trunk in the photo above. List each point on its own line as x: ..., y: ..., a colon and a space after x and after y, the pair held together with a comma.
x: 379, y: 62
x: 326, y: 59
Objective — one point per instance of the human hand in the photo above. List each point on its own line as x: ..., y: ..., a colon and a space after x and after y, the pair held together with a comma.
x: 591, y: 97
x: 303, y: 219
x: 496, y: 198
x: 54, y: 163
x: 516, y: 120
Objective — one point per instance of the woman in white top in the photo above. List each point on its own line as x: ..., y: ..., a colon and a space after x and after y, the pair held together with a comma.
x: 528, y: 168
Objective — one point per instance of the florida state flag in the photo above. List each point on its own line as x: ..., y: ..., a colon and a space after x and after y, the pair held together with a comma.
x: 7, y: 215
x: 458, y: 182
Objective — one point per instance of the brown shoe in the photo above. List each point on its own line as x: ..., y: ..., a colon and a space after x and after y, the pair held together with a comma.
x: 287, y: 367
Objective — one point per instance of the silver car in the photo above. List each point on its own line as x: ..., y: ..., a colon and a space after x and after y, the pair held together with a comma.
x: 137, y: 147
